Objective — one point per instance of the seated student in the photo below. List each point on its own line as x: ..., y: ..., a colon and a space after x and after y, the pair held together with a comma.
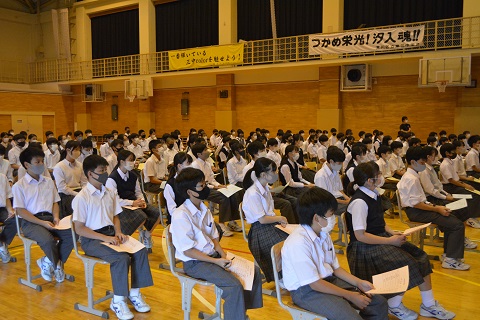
x: 435, y: 194
x: 180, y: 161
x: 387, y: 141
x: 258, y: 209
x: 52, y: 154
x: 333, y: 138
x: 361, y: 136
x: 312, y: 148
x: 290, y: 174
x: 68, y: 177
x: 472, y: 158
x: 358, y: 155
x: 311, y: 271
x: 78, y: 136
x: 465, y: 136
x: 322, y: 149
x: 87, y: 149
x: 236, y: 164
x: 5, y: 167
x: 6, y: 143
x: 341, y: 140
x: 170, y: 152
x: 228, y: 206
x: 177, y: 141
x: 125, y: 183
x: 48, y: 135
x: 453, y: 184
x: 95, y: 214
x: 377, y: 141
x: 370, y: 151
x: 328, y: 178
x: 196, y: 242
x: 272, y: 153
x: 35, y: 200
x: 432, y: 142
x: 32, y: 138
x: 375, y: 248
x: 307, y: 174
x: 6, y: 217
x: 397, y: 166
x: 142, y: 141
x: 384, y: 155
x: 459, y: 164
x: 22, y: 171
x: 419, y: 210
x: 222, y: 155
x: 14, y: 153
x: 347, y: 147
x: 287, y: 140
x: 135, y: 146
x: 155, y: 170
x: 106, y: 149
x: 117, y: 146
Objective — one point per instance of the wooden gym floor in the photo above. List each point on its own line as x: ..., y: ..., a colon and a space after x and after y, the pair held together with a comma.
x: 456, y: 290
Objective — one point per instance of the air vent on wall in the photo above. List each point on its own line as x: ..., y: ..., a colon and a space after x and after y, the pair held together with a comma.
x: 357, y: 77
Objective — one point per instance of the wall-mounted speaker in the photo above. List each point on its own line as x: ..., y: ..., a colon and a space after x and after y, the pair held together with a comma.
x: 184, y: 107
x: 114, y: 112
x: 223, y: 94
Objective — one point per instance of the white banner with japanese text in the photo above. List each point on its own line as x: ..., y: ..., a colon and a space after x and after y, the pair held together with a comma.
x: 366, y: 41
x: 205, y: 57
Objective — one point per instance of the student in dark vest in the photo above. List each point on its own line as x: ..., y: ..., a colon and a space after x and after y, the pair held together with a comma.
x: 375, y: 248
x: 290, y: 174
x: 307, y: 173
x: 124, y: 181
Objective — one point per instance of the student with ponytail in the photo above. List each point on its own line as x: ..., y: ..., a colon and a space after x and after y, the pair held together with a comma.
x: 375, y: 248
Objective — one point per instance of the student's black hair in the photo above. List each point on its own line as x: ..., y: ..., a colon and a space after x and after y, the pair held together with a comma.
x: 165, y: 136
x: 367, y: 141
x: 333, y: 130
x: 3, y: 150
x: 443, y: 132
x: 3, y: 134
x: 179, y: 158
x: 466, y: 131
x: 286, y: 137
x: 18, y: 136
x: 29, y: 153
x: 108, y: 136
x: 86, y: 143
x: 199, y: 140
x: 358, y: 150
x: 191, y: 139
x: 51, y: 141
x: 432, y: 134
x: 315, y: 201
x: 187, y: 179
x: 35, y: 145
x: 415, y: 153
x: 121, y: 137
x: 414, y: 141
x: 368, y: 135
x: 340, y: 136
x: 124, y: 155
x: 383, y: 149
x: 349, y: 138
x: 431, y: 139
x: 236, y: 146
x: 262, y: 139
x: 473, y: 139
x: 48, y: 133
x: 296, y: 137
x: 442, y: 140
x: 458, y: 143
x: 447, y: 147
x: 462, y: 136
x: 348, y: 132
x: 239, y: 131
x: 272, y: 142
x: 404, y: 118
x: 335, y: 154
x: 88, y: 131
x: 452, y: 137
x: 361, y: 173
x: 127, y: 127
x: 31, y: 135
x: 301, y: 131
x: 152, y: 144
x: 396, y: 145
x: 23, y: 133
x: 323, y: 138
x: 377, y: 134
x: 226, y: 139
x: 70, y: 145
x: 386, y: 139
x: 132, y: 136
x: 430, y: 151
x: 198, y: 148
x: 312, y: 138
x: 261, y: 165
x: 255, y: 147
x: 152, y: 130
x: 114, y: 131
x: 174, y: 135
x: 92, y: 162
x: 77, y: 133
x: 117, y: 142
x: 215, y: 131
x: 140, y: 132
x: 361, y: 133
x: 288, y: 149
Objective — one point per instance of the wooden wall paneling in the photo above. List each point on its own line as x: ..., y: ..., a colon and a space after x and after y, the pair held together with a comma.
x: 5, y: 122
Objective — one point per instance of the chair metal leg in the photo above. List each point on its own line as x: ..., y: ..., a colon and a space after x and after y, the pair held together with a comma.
x: 27, y: 244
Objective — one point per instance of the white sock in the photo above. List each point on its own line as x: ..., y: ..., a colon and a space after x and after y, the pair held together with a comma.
x: 134, y: 292
x: 427, y: 298
x: 3, y: 247
x: 117, y: 299
x: 395, y: 301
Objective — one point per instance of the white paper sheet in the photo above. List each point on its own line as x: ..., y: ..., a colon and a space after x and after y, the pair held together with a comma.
x: 230, y: 190
x: 462, y: 196
x: 277, y: 189
x: 393, y: 179
x: 475, y: 191
x: 459, y: 204
x: 64, y: 224
x: 380, y: 191
x: 243, y: 269
x: 132, y: 245
x: 131, y: 207
x: 391, y: 282
x: 289, y: 228
x: 163, y: 184
x: 412, y: 230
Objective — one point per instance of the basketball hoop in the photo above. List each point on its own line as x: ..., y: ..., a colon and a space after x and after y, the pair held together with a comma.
x: 131, y: 98
x: 441, y: 85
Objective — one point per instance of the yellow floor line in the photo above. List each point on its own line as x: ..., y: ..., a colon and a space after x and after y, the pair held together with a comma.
x: 457, y: 278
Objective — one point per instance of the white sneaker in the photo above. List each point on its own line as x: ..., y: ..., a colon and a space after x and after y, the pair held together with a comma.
x: 403, y: 313
x: 234, y: 226
x: 59, y: 273
x: 226, y: 231
x: 46, y: 268
x: 5, y: 255
x: 443, y: 256
x: 121, y: 310
x: 450, y: 263
x: 436, y: 311
x: 474, y: 223
x: 139, y: 303
x: 469, y: 244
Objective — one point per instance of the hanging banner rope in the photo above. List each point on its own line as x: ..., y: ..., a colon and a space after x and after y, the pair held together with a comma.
x: 206, y: 57
x: 366, y: 41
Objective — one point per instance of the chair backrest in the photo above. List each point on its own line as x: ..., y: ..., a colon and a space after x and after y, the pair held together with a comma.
x: 311, y: 165
x: 243, y: 222
x: 276, y: 255
x: 400, y: 209
x: 170, y: 251
x: 344, y: 224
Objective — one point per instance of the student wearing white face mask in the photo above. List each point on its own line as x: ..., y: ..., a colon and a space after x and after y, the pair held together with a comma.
x: 311, y: 271
x: 87, y: 149
x: 106, y: 148
x: 328, y: 178
x: 52, y: 155
x: 155, y: 170
x: 125, y: 183
x: 69, y: 176
x: 357, y: 156
x: 290, y: 174
x: 258, y: 208
x: 376, y: 248
x: 135, y: 146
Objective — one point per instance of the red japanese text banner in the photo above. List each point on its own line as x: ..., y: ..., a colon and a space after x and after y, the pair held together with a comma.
x: 366, y: 41
x: 206, y: 57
